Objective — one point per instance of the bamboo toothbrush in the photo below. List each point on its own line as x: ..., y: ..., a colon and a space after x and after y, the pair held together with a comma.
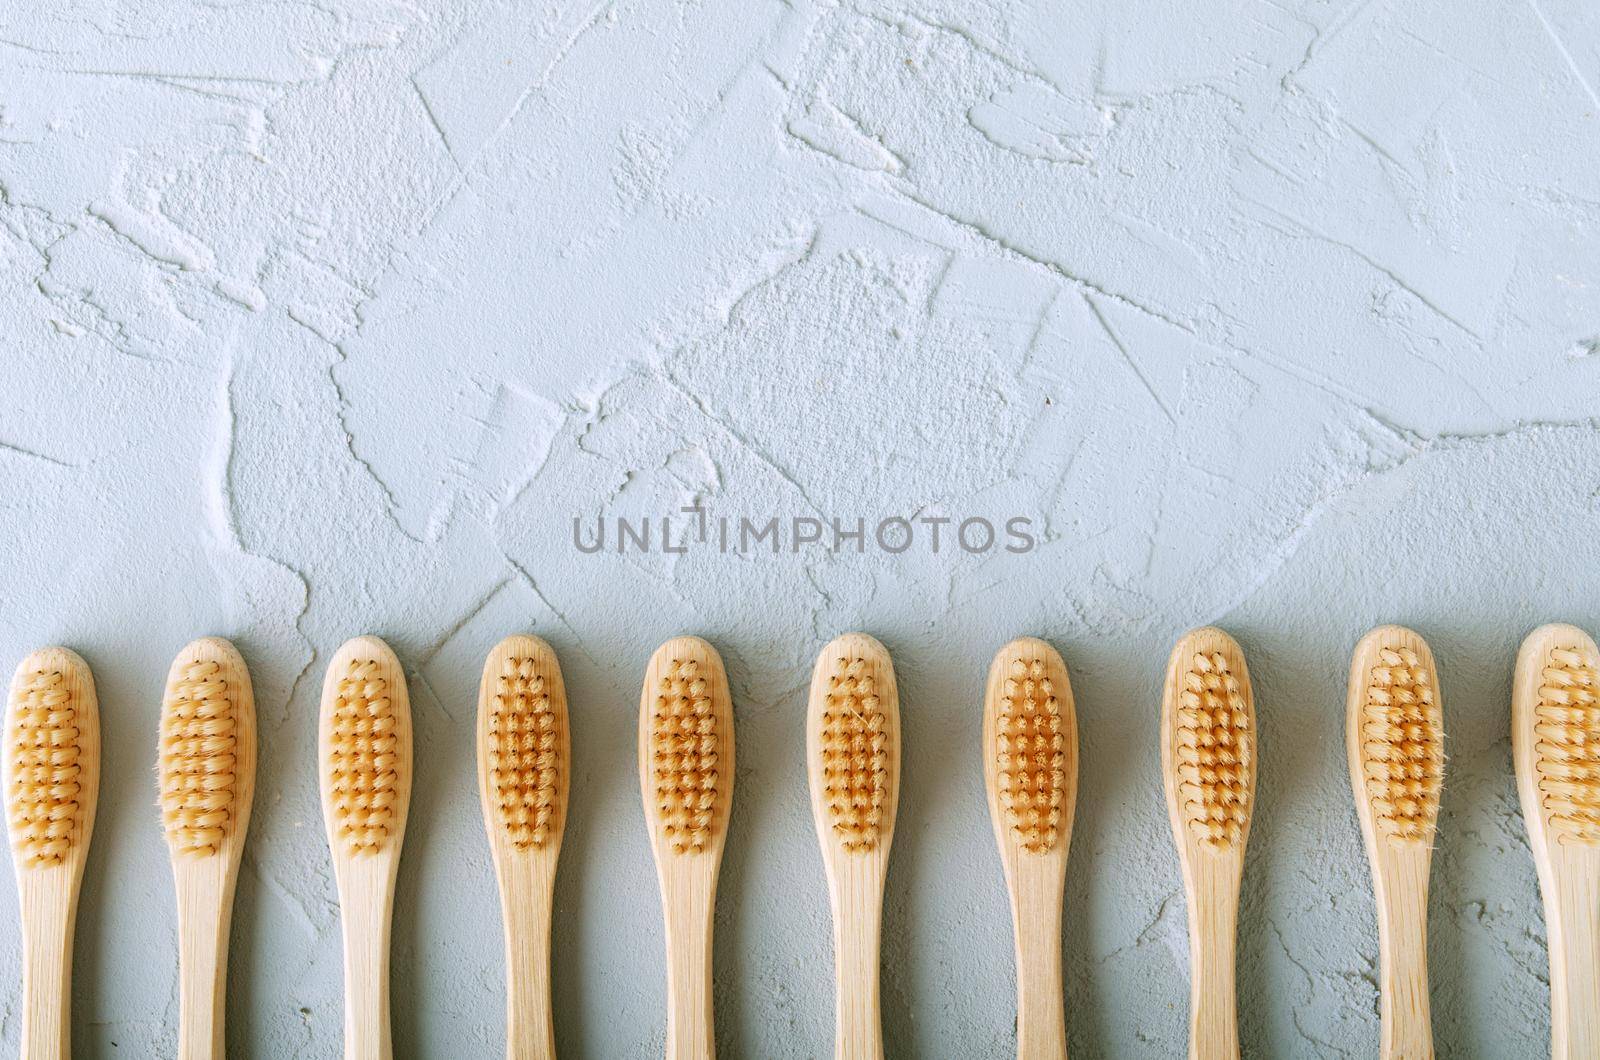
x: 52, y: 780
x: 686, y: 779
x: 207, y: 772
x: 364, y: 742
x: 1030, y: 767
x: 1395, y: 734
x: 853, y: 760
x: 524, y: 770
x: 1555, y: 740
x: 1208, y: 759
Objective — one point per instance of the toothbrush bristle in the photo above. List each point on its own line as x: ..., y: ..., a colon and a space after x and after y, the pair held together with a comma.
x: 1402, y: 741
x: 1567, y: 755
x: 1030, y: 753
x: 364, y: 758
x: 43, y: 802
x: 524, y: 753
x: 1215, y: 745
x: 684, y: 748
x: 855, y: 755
x: 198, y: 759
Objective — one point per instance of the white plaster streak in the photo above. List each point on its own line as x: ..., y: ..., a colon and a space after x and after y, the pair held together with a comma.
x: 390, y: 502
x: 433, y: 119
x: 1323, y: 37
x: 745, y: 443
x: 286, y: 898
x: 1311, y: 231
x: 12, y: 449
x: 219, y: 499
x: 460, y: 623
x: 1566, y: 56
x: 156, y: 236
x: 1133, y: 365
x: 592, y: 19
x: 1054, y: 267
x: 533, y: 585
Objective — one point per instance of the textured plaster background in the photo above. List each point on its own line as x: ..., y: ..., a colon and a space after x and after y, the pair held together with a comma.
x: 325, y: 318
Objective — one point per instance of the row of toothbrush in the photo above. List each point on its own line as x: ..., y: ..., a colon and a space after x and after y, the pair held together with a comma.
x: 207, y: 758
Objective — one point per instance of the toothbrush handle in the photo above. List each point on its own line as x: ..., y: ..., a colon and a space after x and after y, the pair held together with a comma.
x: 366, y: 901
x: 202, y: 961
x: 857, y: 919
x: 688, y: 908
x: 48, y: 911
x: 1213, y: 914
x: 1575, y: 960
x: 1041, y: 1007
x: 1402, y: 896
x: 526, y: 893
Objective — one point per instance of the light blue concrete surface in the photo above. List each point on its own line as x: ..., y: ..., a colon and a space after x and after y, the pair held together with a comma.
x: 328, y: 318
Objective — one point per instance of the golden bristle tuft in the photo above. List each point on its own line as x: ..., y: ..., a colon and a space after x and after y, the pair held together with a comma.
x: 199, y: 722
x: 684, y: 751
x: 1214, y: 751
x: 1567, y: 755
x: 525, y: 753
x: 363, y: 758
x: 43, y: 802
x: 1402, y: 745
x: 855, y: 755
x: 1030, y: 755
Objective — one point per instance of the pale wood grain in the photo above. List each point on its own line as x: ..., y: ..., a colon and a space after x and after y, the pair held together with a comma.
x: 1569, y: 867
x: 47, y: 896
x: 205, y: 884
x: 526, y: 873
x: 855, y: 876
x: 1399, y: 868
x: 1035, y: 879
x: 366, y: 880
x: 1212, y: 874
x: 688, y: 880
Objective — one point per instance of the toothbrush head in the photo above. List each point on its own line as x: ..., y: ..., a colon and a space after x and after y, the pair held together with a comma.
x: 1398, y: 734
x: 687, y: 746
x: 49, y: 761
x: 1212, y: 740
x: 1031, y: 745
x: 367, y: 748
x: 1566, y: 719
x: 854, y: 724
x: 200, y: 757
x: 525, y: 728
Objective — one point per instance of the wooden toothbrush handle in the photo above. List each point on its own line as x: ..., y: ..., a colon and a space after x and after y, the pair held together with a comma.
x: 364, y: 917
x: 48, y: 911
x: 690, y: 1027
x: 1575, y: 966
x: 1402, y: 897
x: 526, y: 896
x: 1213, y: 916
x: 1041, y: 1004
x: 857, y: 919
x: 46, y: 1004
x: 202, y: 962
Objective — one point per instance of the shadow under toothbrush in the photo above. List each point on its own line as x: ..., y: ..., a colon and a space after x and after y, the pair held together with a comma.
x: 242, y: 997
x: 431, y: 776
x: 1479, y: 785
x: 763, y: 748
x: 1277, y: 759
x: 118, y: 802
x: 930, y: 756
x: 251, y: 1001
x: 1111, y: 743
x: 602, y: 746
